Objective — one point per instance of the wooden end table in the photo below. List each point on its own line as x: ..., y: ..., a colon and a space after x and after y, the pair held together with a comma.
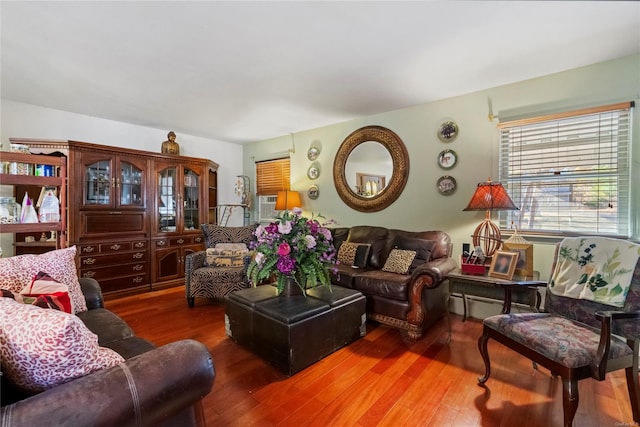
x: 521, y: 290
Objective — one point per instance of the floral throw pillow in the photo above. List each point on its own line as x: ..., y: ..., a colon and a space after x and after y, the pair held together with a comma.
x: 44, y: 348
x: 17, y: 272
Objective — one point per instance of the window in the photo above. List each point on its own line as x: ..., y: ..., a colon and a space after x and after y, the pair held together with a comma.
x: 568, y: 173
x: 271, y: 176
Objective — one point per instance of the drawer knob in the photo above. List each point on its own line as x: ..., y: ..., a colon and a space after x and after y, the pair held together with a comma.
x: 89, y: 274
x: 115, y: 247
x: 138, y: 255
x: 138, y: 267
x: 161, y: 242
x: 89, y: 261
x: 138, y: 279
x: 180, y: 241
x: 139, y: 245
x: 88, y: 249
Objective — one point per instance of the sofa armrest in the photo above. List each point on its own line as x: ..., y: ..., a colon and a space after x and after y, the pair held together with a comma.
x: 146, y: 390
x: 92, y: 293
x: 429, y: 275
x: 437, y: 270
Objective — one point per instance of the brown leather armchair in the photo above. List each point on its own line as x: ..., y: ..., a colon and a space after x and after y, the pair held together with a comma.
x: 412, y: 302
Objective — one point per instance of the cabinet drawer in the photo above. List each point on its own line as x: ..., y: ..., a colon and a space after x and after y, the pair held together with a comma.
x: 115, y: 247
x: 123, y: 283
x: 114, y: 271
x: 117, y: 258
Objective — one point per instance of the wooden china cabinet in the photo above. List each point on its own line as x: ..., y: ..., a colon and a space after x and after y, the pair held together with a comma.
x: 133, y: 215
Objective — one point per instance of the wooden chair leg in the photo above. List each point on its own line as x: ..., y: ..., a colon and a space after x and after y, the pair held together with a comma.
x: 632, y: 383
x: 482, y: 346
x: 570, y: 400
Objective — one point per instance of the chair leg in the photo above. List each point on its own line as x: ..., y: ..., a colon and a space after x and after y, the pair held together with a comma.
x: 632, y: 384
x: 190, y: 301
x: 482, y: 346
x: 570, y: 400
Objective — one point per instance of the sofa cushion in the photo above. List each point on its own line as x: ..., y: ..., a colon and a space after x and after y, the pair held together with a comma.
x: 43, y: 348
x: 422, y: 248
x: 399, y: 261
x: 343, y: 275
x: 383, y: 283
x: 354, y: 254
x: 106, y: 325
x: 18, y: 272
x: 376, y: 237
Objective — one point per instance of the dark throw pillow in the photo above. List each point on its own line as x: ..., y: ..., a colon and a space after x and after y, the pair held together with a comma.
x: 354, y: 254
x: 422, y: 247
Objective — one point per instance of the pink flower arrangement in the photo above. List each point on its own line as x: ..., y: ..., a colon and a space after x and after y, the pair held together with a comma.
x: 293, y: 248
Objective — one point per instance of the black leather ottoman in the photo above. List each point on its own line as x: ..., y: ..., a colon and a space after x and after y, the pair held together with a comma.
x: 294, y: 332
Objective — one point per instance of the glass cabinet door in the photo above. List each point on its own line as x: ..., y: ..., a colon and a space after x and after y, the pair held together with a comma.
x: 98, y: 183
x: 131, y: 185
x: 167, y: 200
x: 191, y: 203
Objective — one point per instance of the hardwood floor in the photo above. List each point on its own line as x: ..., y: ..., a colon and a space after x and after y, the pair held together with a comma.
x: 378, y: 380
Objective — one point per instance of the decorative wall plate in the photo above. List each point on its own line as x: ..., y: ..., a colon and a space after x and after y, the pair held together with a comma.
x: 448, y: 131
x: 313, y: 172
x: 447, y: 159
x: 447, y: 185
x: 313, y: 192
x: 313, y: 153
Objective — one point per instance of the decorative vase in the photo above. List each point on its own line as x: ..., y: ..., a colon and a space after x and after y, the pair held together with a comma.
x: 290, y: 289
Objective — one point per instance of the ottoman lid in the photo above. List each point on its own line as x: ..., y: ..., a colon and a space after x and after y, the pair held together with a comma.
x: 291, y: 309
x: 251, y: 296
x: 335, y: 296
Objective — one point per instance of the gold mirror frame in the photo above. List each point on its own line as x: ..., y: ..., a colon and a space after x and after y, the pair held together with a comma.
x: 399, y: 156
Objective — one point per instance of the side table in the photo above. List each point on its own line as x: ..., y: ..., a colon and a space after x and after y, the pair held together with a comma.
x: 521, y: 290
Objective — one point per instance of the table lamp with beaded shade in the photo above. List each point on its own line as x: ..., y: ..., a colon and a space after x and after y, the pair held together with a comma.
x: 489, y: 196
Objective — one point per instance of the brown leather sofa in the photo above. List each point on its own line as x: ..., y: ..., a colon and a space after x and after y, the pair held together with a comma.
x: 154, y: 386
x: 411, y: 302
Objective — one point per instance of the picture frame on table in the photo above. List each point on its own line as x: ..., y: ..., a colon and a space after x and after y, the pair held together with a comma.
x: 524, y: 266
x: 503, y: 264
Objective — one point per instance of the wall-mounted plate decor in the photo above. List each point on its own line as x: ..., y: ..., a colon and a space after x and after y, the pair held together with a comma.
x: 313, y: 172
x: 313, y: 192
x: 448, y: 131
x: 447, y: 159
x: 447, y: 185
x: 313, y: 153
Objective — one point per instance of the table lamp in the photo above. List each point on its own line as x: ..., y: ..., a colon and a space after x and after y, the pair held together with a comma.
x: 288, y: 200
x: 489, y: 196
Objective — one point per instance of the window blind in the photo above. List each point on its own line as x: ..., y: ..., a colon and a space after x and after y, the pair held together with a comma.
x: 568, y: 173
x: 273, y: 176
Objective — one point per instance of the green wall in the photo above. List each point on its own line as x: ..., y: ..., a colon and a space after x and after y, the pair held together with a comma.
x: 420, y: 206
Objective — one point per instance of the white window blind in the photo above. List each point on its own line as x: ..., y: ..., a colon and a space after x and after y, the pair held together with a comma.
x: 568, y: 173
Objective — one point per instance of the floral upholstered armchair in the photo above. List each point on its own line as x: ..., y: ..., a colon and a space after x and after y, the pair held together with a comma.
x: 221, y: 268
x: 592, y: 321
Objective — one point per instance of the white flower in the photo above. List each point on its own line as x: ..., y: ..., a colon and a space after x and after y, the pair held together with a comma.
x: 284, y: 227
x: 259, y: 258
x: 311, y: 241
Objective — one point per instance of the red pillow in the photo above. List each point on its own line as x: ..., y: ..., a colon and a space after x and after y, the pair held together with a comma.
x: 46, y: 292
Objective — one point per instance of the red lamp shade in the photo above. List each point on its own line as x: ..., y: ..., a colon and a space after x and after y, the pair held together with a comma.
x: 489, y: 196
x: 288, y: 200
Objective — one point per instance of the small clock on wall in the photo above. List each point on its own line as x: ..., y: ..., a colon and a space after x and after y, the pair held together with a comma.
x: 448, y: 131
x: 447, y: 159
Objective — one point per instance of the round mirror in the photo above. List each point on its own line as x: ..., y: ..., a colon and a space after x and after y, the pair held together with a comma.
x: 371, y: 168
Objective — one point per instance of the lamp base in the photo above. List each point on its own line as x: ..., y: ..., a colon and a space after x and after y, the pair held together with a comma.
x: 487, y: 235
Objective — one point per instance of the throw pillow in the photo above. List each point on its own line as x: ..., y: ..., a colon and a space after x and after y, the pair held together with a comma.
x: 399, y: 261
x: 44, y: 348
x: 422, y: 247
x: 216, y: 257
x: 45, y: 292
x: 232, y: 247
x: 354, y: 254
x: 17, y: 272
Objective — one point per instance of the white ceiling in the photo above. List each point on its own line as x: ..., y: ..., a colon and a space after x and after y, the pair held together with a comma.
x: 246, y: 71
